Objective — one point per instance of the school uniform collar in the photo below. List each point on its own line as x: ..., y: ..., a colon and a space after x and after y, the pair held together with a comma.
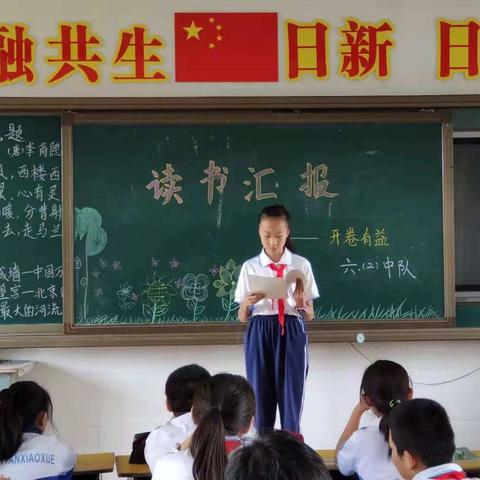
x: 439, y: 470
x: 181, y: 420
x: 33, y: 430
x: 286, y: 259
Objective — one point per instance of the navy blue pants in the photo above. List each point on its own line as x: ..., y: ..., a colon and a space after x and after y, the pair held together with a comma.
x: 277, y: 368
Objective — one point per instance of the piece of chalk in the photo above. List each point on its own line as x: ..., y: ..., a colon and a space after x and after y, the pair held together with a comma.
x: 360, y: 337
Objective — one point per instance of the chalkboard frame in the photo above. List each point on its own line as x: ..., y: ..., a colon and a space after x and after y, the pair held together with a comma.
x: 232, y: 332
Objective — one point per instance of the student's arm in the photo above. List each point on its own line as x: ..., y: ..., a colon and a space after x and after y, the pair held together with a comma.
x: 352, y: 424
x: 305, y: 306
x: 251, y: 299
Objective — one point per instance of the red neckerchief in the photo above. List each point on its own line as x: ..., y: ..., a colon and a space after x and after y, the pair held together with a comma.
x: 279, y: 269
x: 231, y: 444
x: 451, y: 475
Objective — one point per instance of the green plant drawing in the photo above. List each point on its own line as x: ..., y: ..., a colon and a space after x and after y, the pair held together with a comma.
x: 373, y: 312
x: 88, y: 225
x: 226, y: 285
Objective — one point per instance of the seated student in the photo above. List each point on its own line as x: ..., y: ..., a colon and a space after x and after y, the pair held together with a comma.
x: 26, y: 453
x: 365, y: 451
x: 223, y: 410
x: 179, y: 389
x: 422, y: 441
x: 276, y: 456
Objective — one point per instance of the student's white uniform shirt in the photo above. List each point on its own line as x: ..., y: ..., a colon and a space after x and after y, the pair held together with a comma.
x: 366, y: 454
x: 163, y: 439
x: 175, y: 465
x: 259, y: 265
x: 437, y: 471
x: 40, y: 457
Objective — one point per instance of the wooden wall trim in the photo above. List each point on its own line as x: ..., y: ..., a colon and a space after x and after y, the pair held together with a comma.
x: 230, y: 338
x: 60, y: 104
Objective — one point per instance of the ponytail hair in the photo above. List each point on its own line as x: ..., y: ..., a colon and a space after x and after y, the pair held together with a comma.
x: 20, y: 405
x: 278, y: 211
x: 385, y: 384
x: 225, y: 405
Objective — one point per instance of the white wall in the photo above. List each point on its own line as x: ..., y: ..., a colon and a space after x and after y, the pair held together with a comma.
x: 102, y: 396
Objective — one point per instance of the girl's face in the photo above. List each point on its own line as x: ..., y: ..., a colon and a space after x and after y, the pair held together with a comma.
x: 273, y: 233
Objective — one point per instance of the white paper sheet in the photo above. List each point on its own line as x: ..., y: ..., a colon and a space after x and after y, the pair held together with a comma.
x: 275, y: 287
x: 271, y: 287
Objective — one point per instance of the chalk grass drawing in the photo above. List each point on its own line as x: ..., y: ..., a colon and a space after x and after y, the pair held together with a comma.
x: 88, y: 225
x: 194, y: 292
x: 373, y: 312
x: 158, y: 295
x: 226, y: 285
x: 126, y: 298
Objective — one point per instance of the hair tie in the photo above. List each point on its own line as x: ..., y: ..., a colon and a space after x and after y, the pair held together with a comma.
x: 393, y: 403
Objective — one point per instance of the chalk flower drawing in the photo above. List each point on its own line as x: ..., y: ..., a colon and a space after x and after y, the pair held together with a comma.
x: 126, y: 298
x: 158, y: 294
x: 194, y: 292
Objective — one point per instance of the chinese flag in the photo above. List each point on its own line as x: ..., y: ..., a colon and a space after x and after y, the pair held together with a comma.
x: 226, y: 47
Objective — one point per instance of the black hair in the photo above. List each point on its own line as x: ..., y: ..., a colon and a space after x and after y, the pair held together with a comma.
x: 276, y: 456
x: 181, y: 385
x: 386, y: 384
x: 20, y: 406
x: 225, y: 405
x: 278, y: 211
x: 422, y: 427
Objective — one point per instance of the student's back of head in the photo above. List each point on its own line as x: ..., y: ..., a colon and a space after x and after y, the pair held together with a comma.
x: 181, y: 386
x: 420, y: 436
x: 23, y: 406
x: 276, y: 456
x: 223, y: 406
x: 384, y: 385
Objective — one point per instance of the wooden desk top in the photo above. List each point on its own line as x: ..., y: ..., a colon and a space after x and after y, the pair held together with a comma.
x: 94, y: 463
x: 471, y: 465
x: 467, y: 465
x: 125, y: 469
x: 328, y: 457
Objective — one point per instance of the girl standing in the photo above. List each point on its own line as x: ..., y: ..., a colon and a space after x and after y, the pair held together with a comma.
x: 275, y: 340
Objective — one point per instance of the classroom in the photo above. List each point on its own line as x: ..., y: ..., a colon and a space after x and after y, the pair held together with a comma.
x: 139, y: 143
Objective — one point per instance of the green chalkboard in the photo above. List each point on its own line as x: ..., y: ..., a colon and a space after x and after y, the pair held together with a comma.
x: 151, y: 245
x: 30, y: 220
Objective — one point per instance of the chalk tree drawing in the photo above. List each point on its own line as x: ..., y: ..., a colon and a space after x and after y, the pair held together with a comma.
x: 226, y: 285
x: 88, y: 225
x: 158, y: 295
x: 194, y: 292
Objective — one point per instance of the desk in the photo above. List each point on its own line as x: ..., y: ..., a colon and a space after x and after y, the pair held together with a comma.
x: 469, y: 466
x: 125, y: 469
x: 91, y: 465
x: 328, y: 457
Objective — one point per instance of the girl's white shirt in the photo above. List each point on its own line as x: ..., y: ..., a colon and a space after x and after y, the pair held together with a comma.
x: 163, y: 439
x: 366, y: 454
x: 175, y: 465
x: 40, y: 456
x: 259, y: 265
